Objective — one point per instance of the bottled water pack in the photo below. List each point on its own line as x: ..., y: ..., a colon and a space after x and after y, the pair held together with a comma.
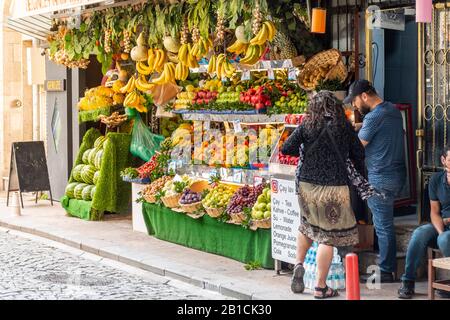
x: 336, y: 276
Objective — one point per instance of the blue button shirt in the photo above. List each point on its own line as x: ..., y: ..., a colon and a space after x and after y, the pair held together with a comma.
x: 385, y: 153
x: 439, y: 190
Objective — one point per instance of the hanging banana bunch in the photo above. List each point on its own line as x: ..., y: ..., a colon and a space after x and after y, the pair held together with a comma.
x: 134, y: 100
x: 257, y: 46
x: 167, y: 75
x: 224, y: 68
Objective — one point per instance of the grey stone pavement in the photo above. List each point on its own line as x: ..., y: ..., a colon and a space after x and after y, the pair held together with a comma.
x: 35, y: 269
x: 114, y: 240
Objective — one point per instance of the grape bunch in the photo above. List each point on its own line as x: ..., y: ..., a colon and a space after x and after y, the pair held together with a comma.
x: 244, y: 197
x: 190, y: 197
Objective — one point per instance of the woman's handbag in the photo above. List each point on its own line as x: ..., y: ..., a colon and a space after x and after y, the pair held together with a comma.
x: 363, y: 187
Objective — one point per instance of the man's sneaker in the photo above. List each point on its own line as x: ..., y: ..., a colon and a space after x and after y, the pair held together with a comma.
x: 385, y: 277
x: 406, y: 290
x: 443, y: 294
x: 297, y: 283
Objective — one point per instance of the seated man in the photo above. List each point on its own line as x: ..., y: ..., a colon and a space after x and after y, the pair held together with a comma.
x: 436, y: 234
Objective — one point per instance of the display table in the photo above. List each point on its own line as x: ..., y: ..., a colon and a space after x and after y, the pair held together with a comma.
x: 210, y: 235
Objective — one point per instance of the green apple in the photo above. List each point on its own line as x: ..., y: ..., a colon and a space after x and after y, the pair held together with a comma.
x: 269, y: 207
x: 260, y: 215
x: 261, y: 207
x: 262, y: 199
x: 267, y: 214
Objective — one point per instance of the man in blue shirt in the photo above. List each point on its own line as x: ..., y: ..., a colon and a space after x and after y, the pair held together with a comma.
x: 382, y: 135
x: 435, y: 234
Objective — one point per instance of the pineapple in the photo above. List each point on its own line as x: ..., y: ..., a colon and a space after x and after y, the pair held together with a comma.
x: 282, y: 47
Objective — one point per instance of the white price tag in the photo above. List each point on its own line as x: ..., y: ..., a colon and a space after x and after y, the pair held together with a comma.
x: 292, y: 75
x: 237, y: 126
x: 206, y: 125
x: 173, y: 166
x: 271, y: 74
x: 245, y: 75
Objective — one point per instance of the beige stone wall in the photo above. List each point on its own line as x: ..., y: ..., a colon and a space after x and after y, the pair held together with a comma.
x: 16, y: 124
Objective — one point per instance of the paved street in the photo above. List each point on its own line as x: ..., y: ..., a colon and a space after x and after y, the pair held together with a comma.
x: 31, y: 268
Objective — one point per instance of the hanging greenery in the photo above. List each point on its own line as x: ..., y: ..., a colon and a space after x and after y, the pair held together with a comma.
x: 110, y: 34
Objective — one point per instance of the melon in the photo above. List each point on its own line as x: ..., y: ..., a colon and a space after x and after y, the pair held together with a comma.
x: 98, y: 159
x: 93, y: 190
x: 171, y: 44
x: 76, y: 172
x: 99, y: 142
x: 86, y: 156
x: 86, y: 193
x: 70, y: 189
x: 91, y: 157
x: 96, y: 177
x: 87, y: 174
x: 78, y: 193
x: 240, y: 34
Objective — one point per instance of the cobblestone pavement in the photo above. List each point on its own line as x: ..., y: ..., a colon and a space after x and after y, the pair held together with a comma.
x: 32, y: 269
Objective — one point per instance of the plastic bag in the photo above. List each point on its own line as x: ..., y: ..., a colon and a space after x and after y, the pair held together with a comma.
x: 163, y: 94
x: 144, y: 143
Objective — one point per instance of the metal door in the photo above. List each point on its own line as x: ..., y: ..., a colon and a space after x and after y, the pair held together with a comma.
x: 434, y: 104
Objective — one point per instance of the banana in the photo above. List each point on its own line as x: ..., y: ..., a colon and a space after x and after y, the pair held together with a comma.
x: 181, y: 72
x: 193, y: 63
x: 234, y: 47
x: 159, y: 64
x: 157, y: 56
x: 249, y: 54
x: 130, y: 86
x: 272, y: 30
x: 229, y: 69
x: 212, y: 64
x: 131, y: 99
x: 183, y: 54
x: 143, y: 69
x: 143, y: 85
x: 151, y: 58
x: 261, y: 37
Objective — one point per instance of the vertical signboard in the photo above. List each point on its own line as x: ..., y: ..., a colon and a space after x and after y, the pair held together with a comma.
x: 285, y: 220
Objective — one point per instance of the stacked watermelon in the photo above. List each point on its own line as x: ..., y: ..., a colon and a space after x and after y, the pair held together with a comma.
x: 87, y: 174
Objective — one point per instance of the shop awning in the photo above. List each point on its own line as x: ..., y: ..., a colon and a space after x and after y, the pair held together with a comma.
x: 34, y: 17
x: 37, y: 26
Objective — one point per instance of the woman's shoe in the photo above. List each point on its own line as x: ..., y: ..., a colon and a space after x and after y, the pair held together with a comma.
x: 326, y: 293
x: 297, y: 283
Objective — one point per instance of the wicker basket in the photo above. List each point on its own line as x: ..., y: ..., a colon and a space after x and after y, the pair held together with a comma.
x: 171, y: 201
x: 150, y: 198
x: 214, y: 212
x: 191, y: 208
x: 262, y: 224
x: 237, y: 218
x: 324, y: 65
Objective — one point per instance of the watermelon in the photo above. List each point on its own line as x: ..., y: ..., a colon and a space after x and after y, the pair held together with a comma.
x: 93, y: 190
x: 91, y: 157
x: 96, y: 177
x: 99, y: 142
x: 70, y: 189
x: 86, y: 156
x: 86, y: 194
x: 87, y: 174
x: 78, y: 193
x: 98, y: 159
x: 76, y: 172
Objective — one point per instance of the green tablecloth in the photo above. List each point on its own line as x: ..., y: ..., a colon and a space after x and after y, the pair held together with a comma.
x: 210, y: 235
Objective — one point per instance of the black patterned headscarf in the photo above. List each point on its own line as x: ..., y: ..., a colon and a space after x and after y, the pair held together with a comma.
x: 324, y: 107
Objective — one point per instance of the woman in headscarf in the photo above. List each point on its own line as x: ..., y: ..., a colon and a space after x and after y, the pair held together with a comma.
x: 327, y: 140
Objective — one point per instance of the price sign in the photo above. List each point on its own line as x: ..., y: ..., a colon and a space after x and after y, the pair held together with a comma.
x: 245, y: 75
x: 271, y: 74
x: 292, y: 74
x: 285, y: 220
x: 237, y: 126
x: 206, y: 125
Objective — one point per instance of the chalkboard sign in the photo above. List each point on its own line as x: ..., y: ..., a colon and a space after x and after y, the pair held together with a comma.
x: 28, y: 170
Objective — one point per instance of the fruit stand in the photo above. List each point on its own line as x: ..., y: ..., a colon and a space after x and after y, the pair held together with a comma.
x: 227, y: 72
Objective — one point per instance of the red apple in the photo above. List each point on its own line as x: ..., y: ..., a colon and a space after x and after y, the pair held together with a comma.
x: 259, y: 106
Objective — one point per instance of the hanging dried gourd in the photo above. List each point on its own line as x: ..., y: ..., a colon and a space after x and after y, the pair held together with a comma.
x: 140, y: 52
x: 257, y: 20
x: 127, y: 41
x: 107, y: 44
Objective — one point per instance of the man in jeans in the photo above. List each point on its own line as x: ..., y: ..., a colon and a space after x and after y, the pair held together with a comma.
x: 382, y: 135
x: 436, y: 234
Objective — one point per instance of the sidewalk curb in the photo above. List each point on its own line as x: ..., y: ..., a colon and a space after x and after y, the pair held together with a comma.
x: 225, y: 289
